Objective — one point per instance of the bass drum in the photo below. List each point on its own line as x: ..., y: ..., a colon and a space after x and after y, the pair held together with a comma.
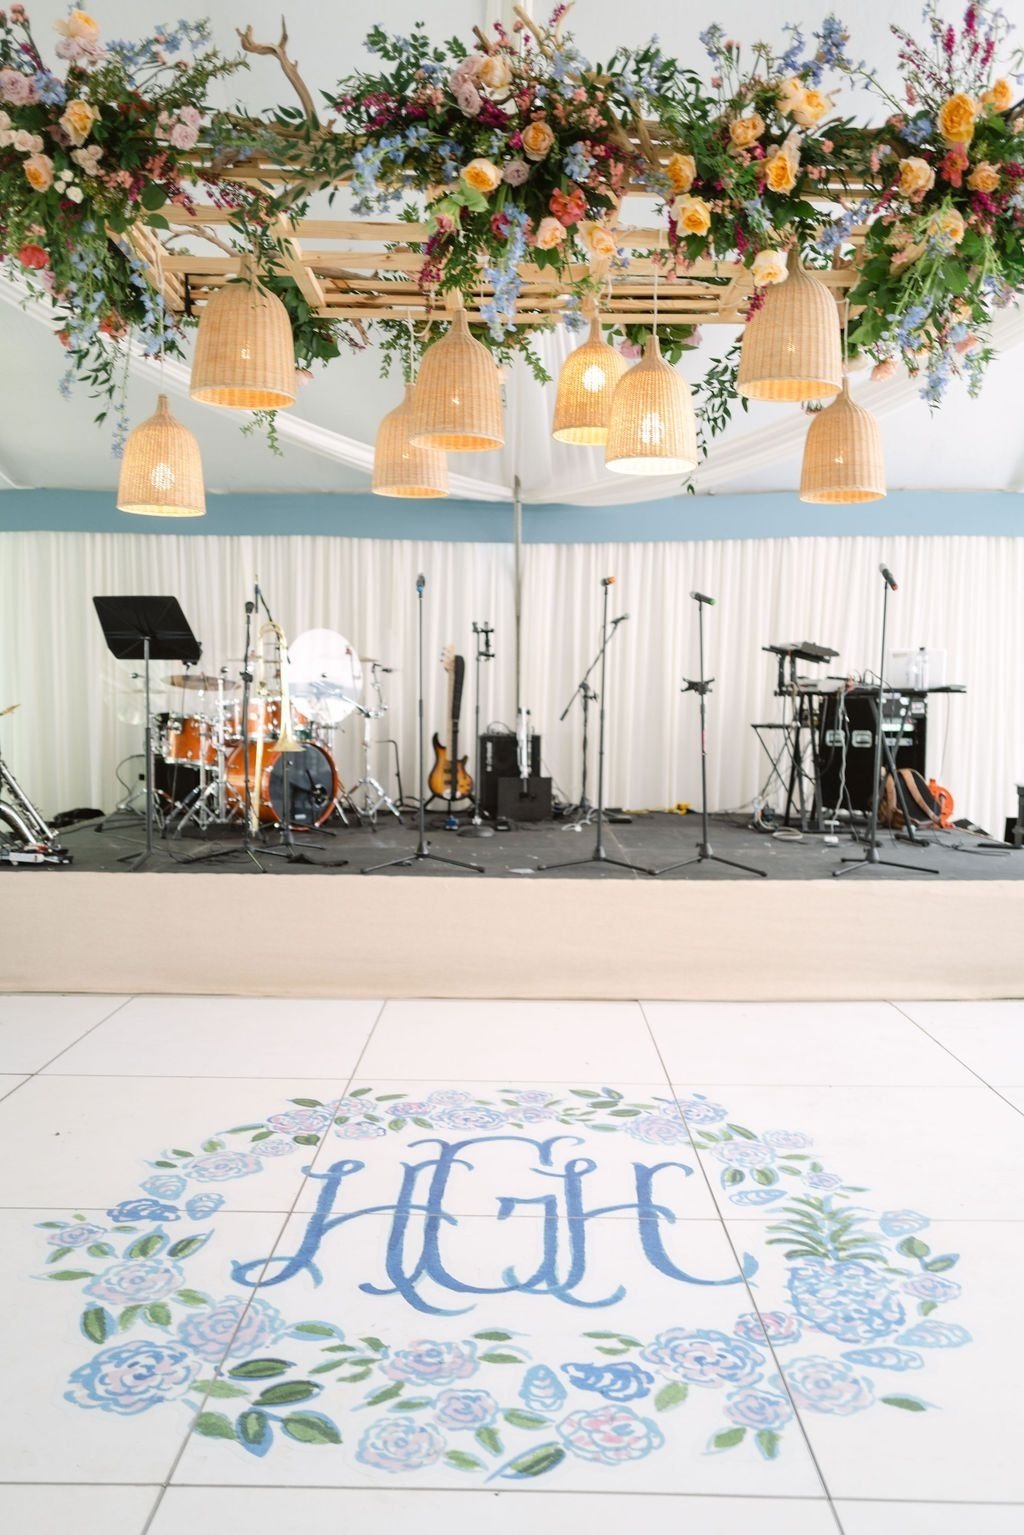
x: 312, y: 784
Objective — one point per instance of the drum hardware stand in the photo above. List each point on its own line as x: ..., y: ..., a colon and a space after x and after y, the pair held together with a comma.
x: 367, y: 812
x: 422, y: 853
x: 153, y: 629
x: 40, y: 845
x: 702, y: 687
x: 599, y: 855
x: 478, y: 826
x: 872, y: 856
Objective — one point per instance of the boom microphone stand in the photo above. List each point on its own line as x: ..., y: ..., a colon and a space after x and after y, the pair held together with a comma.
x: 599, y: 855
x: 477, y: 826
x: 871, y: 846
x: 702, y: 687
x: 422, y: 852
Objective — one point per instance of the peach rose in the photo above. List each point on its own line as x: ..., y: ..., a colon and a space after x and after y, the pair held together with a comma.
x: 811, y: 109
x: 692, y: 215
x: 495, y: 72
x: 790, y: 97
x: 949, y: 224
x: 481, y: 175
x: 916, y: 177
x: 884, y: 369
x: 597, y: 239
x: 769, y: 267
x: 745, y: 131
x: 681, y: 171
x: 78, y: 24
x: 780, y: 171
x: 537, y: 140
x: 550, y: 232
x: 39, y: 172
x: 984, y: 177
x: 77, y: 120
x: 999, y: 96
x: 956, y: 119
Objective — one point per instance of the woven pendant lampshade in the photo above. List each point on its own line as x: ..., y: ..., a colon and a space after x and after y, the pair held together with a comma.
x: 244, y: 357
x: 843, y: 459
x: 652, y: 429
x: 791, y: 348
x: 586, y: 384
x: 161, y: 471
x: 399, y: 467
x: 458, y: 395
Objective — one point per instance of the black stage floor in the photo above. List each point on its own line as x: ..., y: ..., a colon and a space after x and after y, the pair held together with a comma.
x: 651, y: 840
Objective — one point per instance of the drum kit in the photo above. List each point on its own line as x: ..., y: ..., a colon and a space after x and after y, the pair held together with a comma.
x: 216, y: 765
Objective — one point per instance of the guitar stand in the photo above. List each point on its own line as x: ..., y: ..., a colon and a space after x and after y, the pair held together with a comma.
x: 422, y: 853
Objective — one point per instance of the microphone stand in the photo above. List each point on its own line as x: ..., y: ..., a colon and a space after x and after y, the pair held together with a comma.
x: 598, y: 855
x: 422, y: 853
x: 582, y: 813
x: 477, y: 826
x: 702, y: 687
x: 872, y: 856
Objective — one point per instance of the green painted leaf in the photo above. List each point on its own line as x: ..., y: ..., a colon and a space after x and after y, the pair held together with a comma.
x: 66, y: 1274
x: 176, y: 1151
x: 262, y: 1135
x: 623, y: 1113
x: 926, y: 1307
x: 310, y: 1103
x: 376, y: 1344
x: 765, y: 1175
x: 252, y: 1426
x: 240, y: 1130
x: 99, y: 1250
x: 728, y: 1438
x: 315, y: 1329
x: 908, y: 1403
x: 359, y: 1092
x: 259, y: 1369
x: 933, y: 1265
x: 389, y: 1097
x: 396, y: 1124
x: 499, y: 1358
x: 490, y: 1439
x: 127, y: 1317
x: 913, y: 1247
x: 166, y: 1164
x: 97, y: 1324
x: 533, y: 1462
x: 287, y: 1391
x: 306, y: 1140
x: 213, y: 1145
x: 214, y: 1425
x: 424, y: 1124
x: 386, y: 1394
x: 493, y: 1337
x: 146, y: 1246
x: 602, y: 1349
x: 311, y: 1428
x: 191, y: 1298
x: 768, y: 1442
x: 519, y: 1419
x: 671, y: 1395
x: 463, y: 1462
x: 742, y: 1131
x: 412, y: 1404
x: 159, y: 1313
x: 187, y: 1246
x: 218, y: 1388
x: 59, y: 1253
x: 732, y: 1176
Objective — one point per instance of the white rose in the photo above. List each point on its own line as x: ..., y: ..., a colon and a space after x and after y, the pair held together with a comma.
x: 74, y: 194
x: 769, y: 267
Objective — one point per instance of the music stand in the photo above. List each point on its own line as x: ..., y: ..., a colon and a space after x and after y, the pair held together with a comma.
x: 146, y: 629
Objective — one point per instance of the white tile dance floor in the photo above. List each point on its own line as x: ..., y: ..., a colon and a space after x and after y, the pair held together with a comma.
x: 278, y: 1265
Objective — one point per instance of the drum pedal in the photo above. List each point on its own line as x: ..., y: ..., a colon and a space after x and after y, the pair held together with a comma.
x: 14, y: 856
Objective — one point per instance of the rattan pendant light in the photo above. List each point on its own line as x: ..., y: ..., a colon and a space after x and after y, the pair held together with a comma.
x: 457, y: 407
x: 843, y: 459
x: 791, y: 346
x: 244, y: 357
x: 652, y: 428
x: 586, y: 385
x: 161, y: 471
x: 400, y: 468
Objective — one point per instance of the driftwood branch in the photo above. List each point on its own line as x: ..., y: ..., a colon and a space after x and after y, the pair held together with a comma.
x: 290, y: 68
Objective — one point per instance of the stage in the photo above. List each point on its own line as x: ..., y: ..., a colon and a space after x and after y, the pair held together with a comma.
x: 596, y: 931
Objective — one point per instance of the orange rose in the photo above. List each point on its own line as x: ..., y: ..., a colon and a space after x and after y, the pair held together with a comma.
x: 682, y: 172
x: 537, y: 140
x: 39, y: 172
x: 550, y: 233
x: 481, y: 175
x: 495, y: 72
x: 780, y: 171
x: 78, y: 119
x: 916, y: 178
x: 692, y: 215
x: 956, y: 119
x: 597, y: 239
x: 745, y: 131
x: 949, y: 224
x: 984, y: 177
x: 999, y: 97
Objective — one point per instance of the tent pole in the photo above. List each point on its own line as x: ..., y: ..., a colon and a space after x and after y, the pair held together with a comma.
x: 517, y: 524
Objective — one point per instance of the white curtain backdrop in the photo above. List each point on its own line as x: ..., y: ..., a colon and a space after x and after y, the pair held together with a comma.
x: 959, y: 594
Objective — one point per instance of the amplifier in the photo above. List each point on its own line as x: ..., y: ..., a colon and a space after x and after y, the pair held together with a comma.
x: 532, y: 803
x: 856, y: 722
x: 499, y: 760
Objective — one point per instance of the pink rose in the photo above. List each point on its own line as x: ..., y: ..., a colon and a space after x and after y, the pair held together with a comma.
x: 190, y: 115
x: 884, y: 369
x: 515, y: 172
x: 182, y: 136
x: 468, y: 98
x: 15, y: 87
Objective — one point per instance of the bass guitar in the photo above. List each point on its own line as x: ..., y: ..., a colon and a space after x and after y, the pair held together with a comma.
x: 445, y: 781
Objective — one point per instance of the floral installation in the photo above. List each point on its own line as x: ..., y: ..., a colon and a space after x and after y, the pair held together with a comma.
x: 862, y: 1292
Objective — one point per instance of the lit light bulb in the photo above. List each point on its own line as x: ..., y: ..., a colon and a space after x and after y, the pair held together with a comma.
x: 161, y: 477
x: 652, y: 429
x: 594, y: 379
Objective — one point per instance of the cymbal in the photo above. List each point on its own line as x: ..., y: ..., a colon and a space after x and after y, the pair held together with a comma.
x: 322, y: 687
x: 9, y: 710
x: 372, y: 661
x: 198, y: 683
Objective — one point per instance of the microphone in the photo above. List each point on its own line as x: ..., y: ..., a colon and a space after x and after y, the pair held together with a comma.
x: 250, y: 607
x: 421, y: 582
x: 700, y: 597
x: 888, y: 578
x: 607, y: 580
x: 620, y: 620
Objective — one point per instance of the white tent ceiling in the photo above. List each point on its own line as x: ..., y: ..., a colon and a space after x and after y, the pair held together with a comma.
x: 328, y: 437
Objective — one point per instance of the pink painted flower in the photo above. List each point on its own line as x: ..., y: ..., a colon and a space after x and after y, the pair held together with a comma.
x: 610, y: 1434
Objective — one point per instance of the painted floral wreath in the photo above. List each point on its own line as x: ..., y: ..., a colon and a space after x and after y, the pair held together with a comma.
x: 482, y: 1405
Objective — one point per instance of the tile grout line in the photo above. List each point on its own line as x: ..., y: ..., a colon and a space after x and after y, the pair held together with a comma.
x: 954, y: 1057
x: 189, y: 1432
x: 31, y: 1076
x: 746, y: 1285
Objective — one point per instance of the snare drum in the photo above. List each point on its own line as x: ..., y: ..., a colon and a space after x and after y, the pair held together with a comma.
x: 188, y: 738
x: 264, y: 720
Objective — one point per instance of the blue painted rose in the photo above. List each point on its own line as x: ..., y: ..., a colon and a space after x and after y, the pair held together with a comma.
x: 933, y: 1287
x: 826, y: 1385
x: 132, y: 1377
x: 465, y: 1409
x: 231, y: 1329
x: 745, y: 1154
x: 468, y: 1116
x: 758, y: 1409
x: 705, y: 1357
x: 779, y: 1327
x: 658, y: 1130
x: 610, y: 1435
x: 398, y: 1444
x: 76, y: 1234
x: 787, y: 1140
x: 136, y: 1282
x: 219, y: 1166
x: 432, y: 1364
x: 700, y: 1111
x: 165, y: 1186
x: 903, y: 1223
x: 201, y: 1205
x: 143, y: 1210
x: 617, y: 1382
x: 541, y: 1389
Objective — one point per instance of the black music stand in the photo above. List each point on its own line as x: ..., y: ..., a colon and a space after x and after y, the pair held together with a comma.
x: 146, y: 629
x: 599, y: 854
x: 422, y: 853
x: 478, y: 827
x: 702, y: 687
